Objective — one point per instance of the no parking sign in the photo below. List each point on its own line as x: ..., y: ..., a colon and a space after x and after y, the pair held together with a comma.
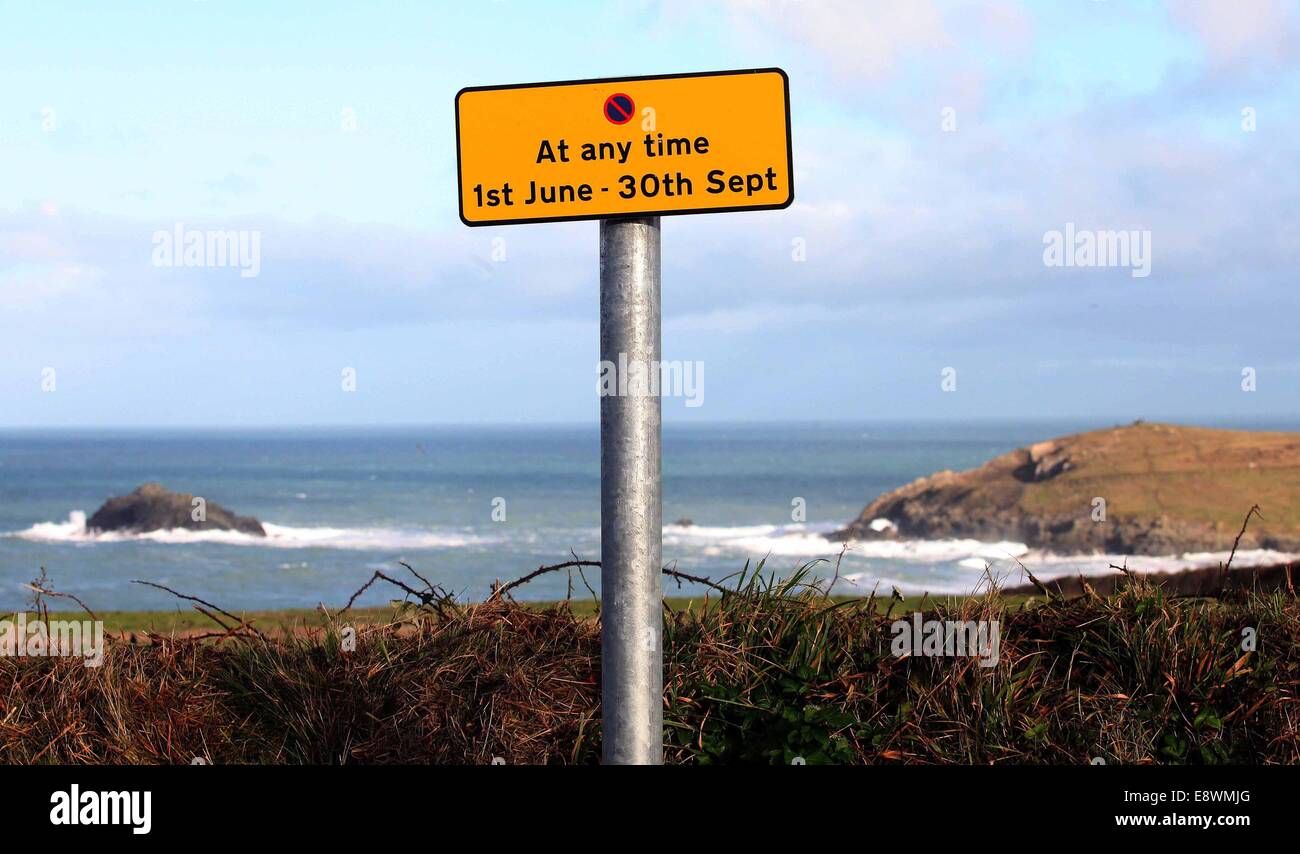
x: 624, y: 146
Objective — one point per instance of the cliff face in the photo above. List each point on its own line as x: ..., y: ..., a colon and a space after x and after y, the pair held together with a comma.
x: 1166, y: 489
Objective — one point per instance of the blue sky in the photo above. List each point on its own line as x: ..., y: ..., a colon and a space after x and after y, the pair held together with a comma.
x: 923, y: 245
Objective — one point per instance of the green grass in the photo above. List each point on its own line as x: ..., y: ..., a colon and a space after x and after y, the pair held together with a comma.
x: 166, y: 622
x: 281, y: 619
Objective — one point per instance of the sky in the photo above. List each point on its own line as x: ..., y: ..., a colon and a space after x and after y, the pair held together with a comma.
x: 936, y: 147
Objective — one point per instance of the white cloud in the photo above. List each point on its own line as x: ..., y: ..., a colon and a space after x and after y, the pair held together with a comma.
x: 32, y: 286
x: 31, y: 244
x: 859, y: 38
x: 1241, y: 32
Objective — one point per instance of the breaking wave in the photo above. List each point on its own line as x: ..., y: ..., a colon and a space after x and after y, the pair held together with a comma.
x: 941, y: 566
x: 811, y: 541
x: 277, y: 536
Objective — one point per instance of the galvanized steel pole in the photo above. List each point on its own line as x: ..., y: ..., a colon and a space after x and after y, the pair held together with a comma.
x: 631, y: 593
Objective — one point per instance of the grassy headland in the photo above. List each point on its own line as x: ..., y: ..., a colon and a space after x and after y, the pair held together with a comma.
x: 1141, y: 489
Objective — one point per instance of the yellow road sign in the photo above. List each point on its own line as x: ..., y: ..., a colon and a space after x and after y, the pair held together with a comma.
x: 624, y: 146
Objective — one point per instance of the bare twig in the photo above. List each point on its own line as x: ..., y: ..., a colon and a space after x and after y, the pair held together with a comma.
x: 40, y: 588
x: 501, y: 589
x: 697, y: 579
x: 214, y: 618
x: 433, y: 596
x: 1223, y: 576
x: 595, y: 597
x: 216, y: 608
x: 1035, y: 581
x: 1254, y: 510
x: 416, y: 574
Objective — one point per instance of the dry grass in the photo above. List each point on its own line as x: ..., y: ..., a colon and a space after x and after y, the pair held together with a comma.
x: 767, y: 673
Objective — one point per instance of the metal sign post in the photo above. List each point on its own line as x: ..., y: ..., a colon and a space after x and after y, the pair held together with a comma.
x: 631, y: 596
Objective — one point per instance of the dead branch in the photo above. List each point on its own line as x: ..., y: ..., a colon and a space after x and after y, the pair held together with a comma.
x: 499, y: 590
x: 697, y: 579
x: 1254, y: 510
x: 42, y: 590
x: 433, y: 596
x: 1035, y: 581
x: 216, y: 608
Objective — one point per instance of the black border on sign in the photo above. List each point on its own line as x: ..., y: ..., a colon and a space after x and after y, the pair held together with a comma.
x: 789, y: 148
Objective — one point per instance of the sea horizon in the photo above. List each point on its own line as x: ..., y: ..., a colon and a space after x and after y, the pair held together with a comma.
x: 1255, y: 421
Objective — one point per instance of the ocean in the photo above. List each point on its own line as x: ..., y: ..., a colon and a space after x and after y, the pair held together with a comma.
x: 338, y: 504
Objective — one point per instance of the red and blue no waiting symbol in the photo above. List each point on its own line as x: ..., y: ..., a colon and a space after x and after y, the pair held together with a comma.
x: 619, y: 108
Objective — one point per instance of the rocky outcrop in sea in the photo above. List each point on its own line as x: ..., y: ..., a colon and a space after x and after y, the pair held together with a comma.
x: 153, y: 508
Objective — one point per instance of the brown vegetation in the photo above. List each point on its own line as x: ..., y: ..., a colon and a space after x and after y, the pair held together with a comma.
x: 763, y: 674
